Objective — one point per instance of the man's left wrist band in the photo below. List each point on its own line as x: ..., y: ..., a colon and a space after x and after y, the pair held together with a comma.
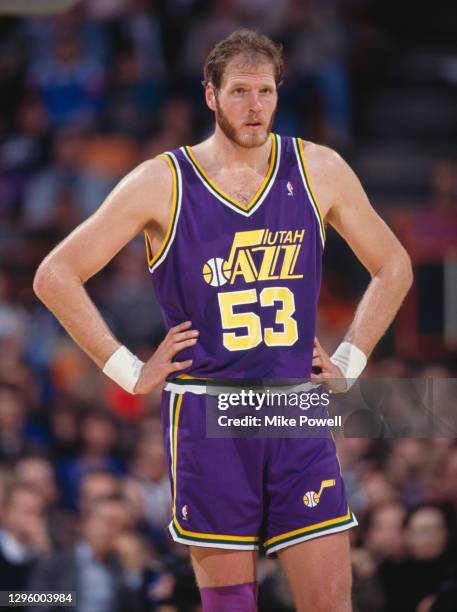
x: 124, y: 368
x: 350, y: 360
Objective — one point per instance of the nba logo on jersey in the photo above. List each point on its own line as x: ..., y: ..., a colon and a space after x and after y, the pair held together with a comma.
x: 214, y: 272
x: 290, y: 189
x: 185, y: 512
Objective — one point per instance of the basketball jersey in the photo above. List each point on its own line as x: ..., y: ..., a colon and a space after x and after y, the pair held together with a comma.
x: 247, y: 276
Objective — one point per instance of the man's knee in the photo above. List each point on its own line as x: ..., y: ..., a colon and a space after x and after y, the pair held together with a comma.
x: 234, y: 598
x: 326, y: 598
x: 215, y: 567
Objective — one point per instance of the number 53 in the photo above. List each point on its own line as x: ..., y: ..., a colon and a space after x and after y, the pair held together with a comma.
x: 251, y: 321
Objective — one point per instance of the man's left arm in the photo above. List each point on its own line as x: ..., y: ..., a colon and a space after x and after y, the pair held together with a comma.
x: 346, y: 207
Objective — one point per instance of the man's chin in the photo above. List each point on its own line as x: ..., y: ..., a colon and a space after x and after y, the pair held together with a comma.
x: 251, y: 139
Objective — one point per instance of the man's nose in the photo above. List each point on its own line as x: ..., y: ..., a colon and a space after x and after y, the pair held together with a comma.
x: 254, y: 102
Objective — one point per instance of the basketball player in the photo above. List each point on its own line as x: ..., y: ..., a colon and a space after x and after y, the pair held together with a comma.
x: 235, y: 230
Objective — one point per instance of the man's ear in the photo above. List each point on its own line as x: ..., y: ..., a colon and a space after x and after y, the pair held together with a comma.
x: 210, y: 96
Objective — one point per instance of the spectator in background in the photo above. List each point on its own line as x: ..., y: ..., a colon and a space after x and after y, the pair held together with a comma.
x: 384, y: 536
x: 73, y: 374
x: 148, y: 467
x: 383, y: 540
x: 13, y: 442
x: 141, y: 32
x: 82, y: 171
x: 315, y: 44
x: 23, y: 535
x: 133, y: 312
x: 97, y: 485
x: 71, y: 86
x: 64, y: 431
x: 22, y: 152
x: 105, y: 157
x: 406, y: 583
x: 212, y: 26
x: 378, y: 490
x: 37, y: 471
x: 62, y: 176
x: 99, y: 439
x: 172, y: 126
x: 134, y: 100
x: 352, y: 453
x: 405, y: 469
x: 207, y: 29
x: 42, y: 35
x: 104, y: 580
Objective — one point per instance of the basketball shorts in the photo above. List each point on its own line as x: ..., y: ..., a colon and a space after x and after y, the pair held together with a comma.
x: 240, y: 493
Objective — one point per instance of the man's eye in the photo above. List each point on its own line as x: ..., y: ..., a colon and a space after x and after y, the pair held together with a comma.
x: 239, y: 90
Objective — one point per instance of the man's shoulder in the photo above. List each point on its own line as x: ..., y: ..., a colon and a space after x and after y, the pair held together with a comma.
x: 327, y: 172
x: 153, y: 168
x: 325, y: 164
x: 318, y: 153
x: 151, y: 179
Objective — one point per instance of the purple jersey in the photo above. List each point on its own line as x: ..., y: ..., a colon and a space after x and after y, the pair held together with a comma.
x: 247, y: 276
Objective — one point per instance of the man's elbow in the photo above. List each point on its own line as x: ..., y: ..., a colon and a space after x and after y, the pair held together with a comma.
x: 403, y: 270
x: 49, y: 277
x: 41, y: 281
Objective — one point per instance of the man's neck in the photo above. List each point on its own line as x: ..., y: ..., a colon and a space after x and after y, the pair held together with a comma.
x: 224, y: 153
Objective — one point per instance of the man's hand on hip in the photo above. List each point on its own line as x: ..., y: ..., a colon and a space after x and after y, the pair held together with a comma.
x: 328, y: 373
x: 161, y: 364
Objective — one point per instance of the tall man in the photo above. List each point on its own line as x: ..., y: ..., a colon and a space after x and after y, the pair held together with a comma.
x: 235, y: 230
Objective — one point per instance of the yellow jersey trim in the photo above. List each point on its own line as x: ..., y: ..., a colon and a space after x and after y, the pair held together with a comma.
x: 189, y: 377
x: 181, y: 531
x: 296, y: 532
x: 152, y: 259
x: 261, y: 189
x: 308, y: 182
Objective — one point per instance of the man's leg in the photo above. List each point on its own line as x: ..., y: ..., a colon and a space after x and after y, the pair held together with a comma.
x: 226, y: 579
x: 319, y: 573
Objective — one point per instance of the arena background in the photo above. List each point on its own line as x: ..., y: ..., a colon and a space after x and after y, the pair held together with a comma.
x: 88, y: 94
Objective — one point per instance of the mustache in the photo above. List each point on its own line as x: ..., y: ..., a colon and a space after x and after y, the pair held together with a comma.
x: 254, y: 119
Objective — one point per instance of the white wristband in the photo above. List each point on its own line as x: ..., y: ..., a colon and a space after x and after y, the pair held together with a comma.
x: 351, y: 361
x: 124, y: 368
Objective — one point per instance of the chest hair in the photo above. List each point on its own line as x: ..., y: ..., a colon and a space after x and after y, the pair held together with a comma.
x: 241, y: 185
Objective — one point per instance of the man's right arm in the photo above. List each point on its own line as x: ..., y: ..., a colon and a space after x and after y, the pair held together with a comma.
x: 142, y: 198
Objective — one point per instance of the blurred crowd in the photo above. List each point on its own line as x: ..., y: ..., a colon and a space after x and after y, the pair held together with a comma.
x: 85, y: 502
x: 84, y: 491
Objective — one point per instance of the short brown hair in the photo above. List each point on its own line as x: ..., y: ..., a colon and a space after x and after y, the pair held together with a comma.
x: 245, y: 42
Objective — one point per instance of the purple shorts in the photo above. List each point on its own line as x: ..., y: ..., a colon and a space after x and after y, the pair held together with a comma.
x: 237, y: 493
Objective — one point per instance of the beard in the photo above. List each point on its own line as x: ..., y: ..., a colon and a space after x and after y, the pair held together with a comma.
x: 247, y: 141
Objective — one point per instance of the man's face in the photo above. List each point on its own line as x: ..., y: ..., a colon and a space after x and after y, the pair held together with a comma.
x: 22, y: 515
x: 104, y: 525
x: 426, y: 533
x: 95, y: 487
x: 245, y: 103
